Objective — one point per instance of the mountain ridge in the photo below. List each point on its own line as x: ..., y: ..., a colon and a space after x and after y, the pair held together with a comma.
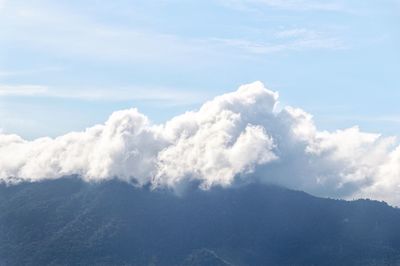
x: 68, y: 221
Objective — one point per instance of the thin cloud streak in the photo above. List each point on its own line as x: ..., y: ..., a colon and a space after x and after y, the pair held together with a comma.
x: 22, y: 90
x: 370, y: 118
x: 164, y: 95
x: 14, y: 73
x: 287, y: 40
x: 294, y: 5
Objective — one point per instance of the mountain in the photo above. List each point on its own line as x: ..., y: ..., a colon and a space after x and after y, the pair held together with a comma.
x: 71, y: 222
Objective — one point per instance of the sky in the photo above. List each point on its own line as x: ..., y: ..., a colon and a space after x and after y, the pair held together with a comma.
x: 67, y: 65
x: 298, y: 93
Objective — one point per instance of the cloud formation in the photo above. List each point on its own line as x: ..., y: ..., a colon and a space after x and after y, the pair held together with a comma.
x: 237, y: 137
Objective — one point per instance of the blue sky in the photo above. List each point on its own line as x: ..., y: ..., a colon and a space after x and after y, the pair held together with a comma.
x: 66, y: 65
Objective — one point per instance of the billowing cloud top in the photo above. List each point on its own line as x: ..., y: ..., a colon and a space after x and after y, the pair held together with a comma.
x: 239, y: 136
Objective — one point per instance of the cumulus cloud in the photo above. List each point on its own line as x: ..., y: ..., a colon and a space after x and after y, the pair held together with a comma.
x: 237, y: 137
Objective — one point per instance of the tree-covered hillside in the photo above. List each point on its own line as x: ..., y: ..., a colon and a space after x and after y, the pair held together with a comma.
x: 70, y: 222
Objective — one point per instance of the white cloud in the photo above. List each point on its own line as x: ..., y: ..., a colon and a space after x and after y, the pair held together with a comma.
x: 239, y: 136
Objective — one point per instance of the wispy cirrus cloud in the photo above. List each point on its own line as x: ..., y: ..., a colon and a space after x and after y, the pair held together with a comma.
x: 63, y: 34
x: 295, y: 5
x: 287, y: 40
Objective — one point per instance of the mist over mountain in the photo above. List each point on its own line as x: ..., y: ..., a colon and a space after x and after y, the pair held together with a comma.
x: 71, y: 222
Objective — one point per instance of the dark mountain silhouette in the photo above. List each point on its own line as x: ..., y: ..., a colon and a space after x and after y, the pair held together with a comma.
x: 70, y: 222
